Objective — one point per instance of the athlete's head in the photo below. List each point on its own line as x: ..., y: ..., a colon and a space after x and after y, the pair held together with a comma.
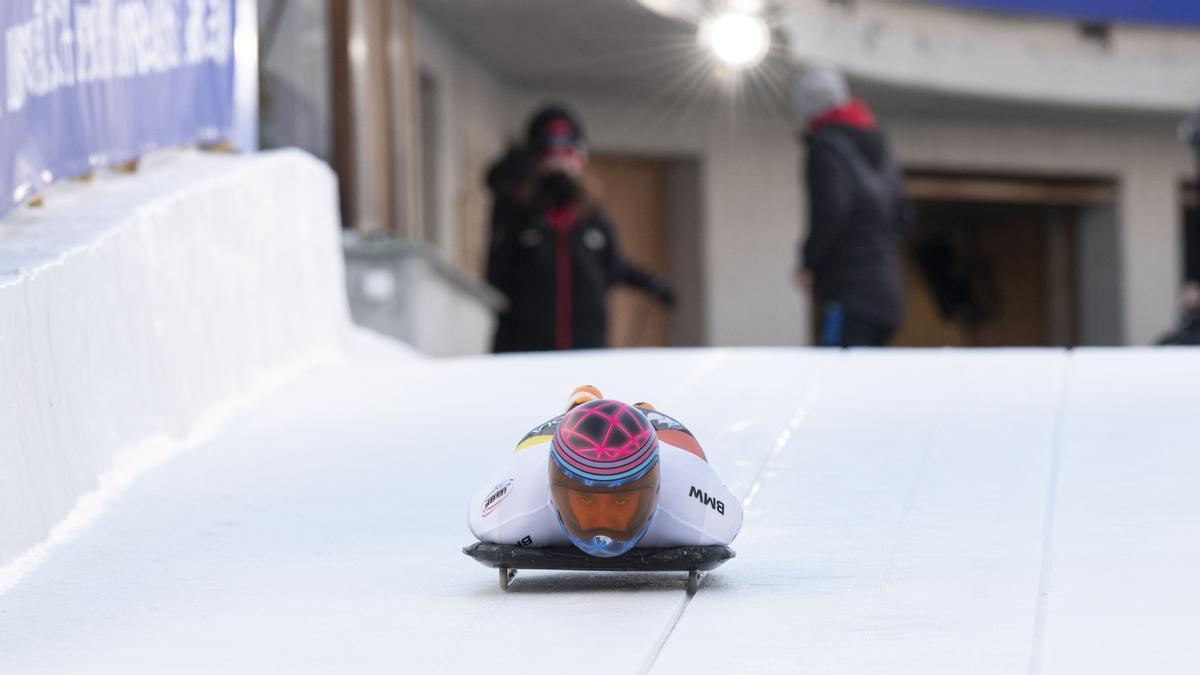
x: 604, y: 476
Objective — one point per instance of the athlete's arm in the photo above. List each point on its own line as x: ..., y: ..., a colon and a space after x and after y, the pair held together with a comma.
x: 513, y: 506
x: 695, y: 507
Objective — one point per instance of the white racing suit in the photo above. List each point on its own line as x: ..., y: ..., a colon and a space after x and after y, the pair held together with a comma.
x: 694, y: 507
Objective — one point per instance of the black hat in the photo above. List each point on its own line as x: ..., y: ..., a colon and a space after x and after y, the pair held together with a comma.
x: 554, y: 124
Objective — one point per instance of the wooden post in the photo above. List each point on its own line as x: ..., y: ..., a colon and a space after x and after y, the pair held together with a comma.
x: 375, y: 133
x: 380, y: 115
x: 342, y: 107
x: 410, y: 79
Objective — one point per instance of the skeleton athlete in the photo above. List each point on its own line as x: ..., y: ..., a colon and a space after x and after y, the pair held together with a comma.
x: 606, y: 477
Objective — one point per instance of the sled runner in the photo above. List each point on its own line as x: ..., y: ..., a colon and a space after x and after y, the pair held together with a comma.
x: 691, y: 559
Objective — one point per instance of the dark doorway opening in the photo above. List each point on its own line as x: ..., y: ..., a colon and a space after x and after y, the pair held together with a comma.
x: 1010, y: 261
x: 990, y: 275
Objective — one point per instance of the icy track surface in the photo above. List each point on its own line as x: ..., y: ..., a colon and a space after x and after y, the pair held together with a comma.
x: 907, y: 512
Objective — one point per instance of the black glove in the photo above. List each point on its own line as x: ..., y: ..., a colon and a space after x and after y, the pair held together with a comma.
x: 661, y: 291
x: 515, y: 167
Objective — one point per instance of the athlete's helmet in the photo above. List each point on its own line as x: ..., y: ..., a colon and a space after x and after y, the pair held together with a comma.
x: 604, y: 476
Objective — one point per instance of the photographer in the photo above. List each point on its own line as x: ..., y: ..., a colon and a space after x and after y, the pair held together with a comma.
x: 554, y: 253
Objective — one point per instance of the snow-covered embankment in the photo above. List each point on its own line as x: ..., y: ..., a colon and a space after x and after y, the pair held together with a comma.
x: 138, y: 313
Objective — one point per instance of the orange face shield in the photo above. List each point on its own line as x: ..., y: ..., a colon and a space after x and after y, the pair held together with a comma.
x: 620, y: 513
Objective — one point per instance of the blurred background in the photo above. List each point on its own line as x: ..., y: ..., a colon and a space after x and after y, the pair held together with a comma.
x: 1044, y: 148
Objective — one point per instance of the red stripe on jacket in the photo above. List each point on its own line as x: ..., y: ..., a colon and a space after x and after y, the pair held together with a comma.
x: 561, y: 222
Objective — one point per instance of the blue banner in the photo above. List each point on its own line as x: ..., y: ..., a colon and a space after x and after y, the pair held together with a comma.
x: 91, y: 83
x: 1167, y: 12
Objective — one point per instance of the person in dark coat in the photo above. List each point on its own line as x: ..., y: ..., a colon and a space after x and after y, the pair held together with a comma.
x: 851, y: 259
x: 556, y: 256
x: 1187, y: 333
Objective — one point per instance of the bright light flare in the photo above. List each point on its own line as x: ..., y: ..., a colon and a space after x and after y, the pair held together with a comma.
x: 737, y: 38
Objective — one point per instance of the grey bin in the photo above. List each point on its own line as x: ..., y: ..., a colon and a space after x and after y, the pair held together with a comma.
x: 406, y: 290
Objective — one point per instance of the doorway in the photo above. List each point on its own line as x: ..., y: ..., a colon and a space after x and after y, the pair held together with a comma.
x: 1010, y: 262
x: 654, y: 206
x: 990, y: 275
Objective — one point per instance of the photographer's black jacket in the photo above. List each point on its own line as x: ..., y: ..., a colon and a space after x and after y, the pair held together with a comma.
x: 556, y: 267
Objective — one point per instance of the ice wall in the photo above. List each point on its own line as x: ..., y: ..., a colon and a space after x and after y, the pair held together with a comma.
x: 135, y: 310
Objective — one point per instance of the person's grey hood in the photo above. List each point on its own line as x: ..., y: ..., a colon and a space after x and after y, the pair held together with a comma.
x: 817, y: 90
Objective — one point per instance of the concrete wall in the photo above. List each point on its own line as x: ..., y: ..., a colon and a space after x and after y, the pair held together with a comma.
x: 932, y: 47
x: 137, y: 314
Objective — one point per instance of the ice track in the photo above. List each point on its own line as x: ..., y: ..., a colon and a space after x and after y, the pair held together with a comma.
x: 907, y: 512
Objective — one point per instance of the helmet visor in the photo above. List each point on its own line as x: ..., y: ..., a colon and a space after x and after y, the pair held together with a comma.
x: 621, y: 514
